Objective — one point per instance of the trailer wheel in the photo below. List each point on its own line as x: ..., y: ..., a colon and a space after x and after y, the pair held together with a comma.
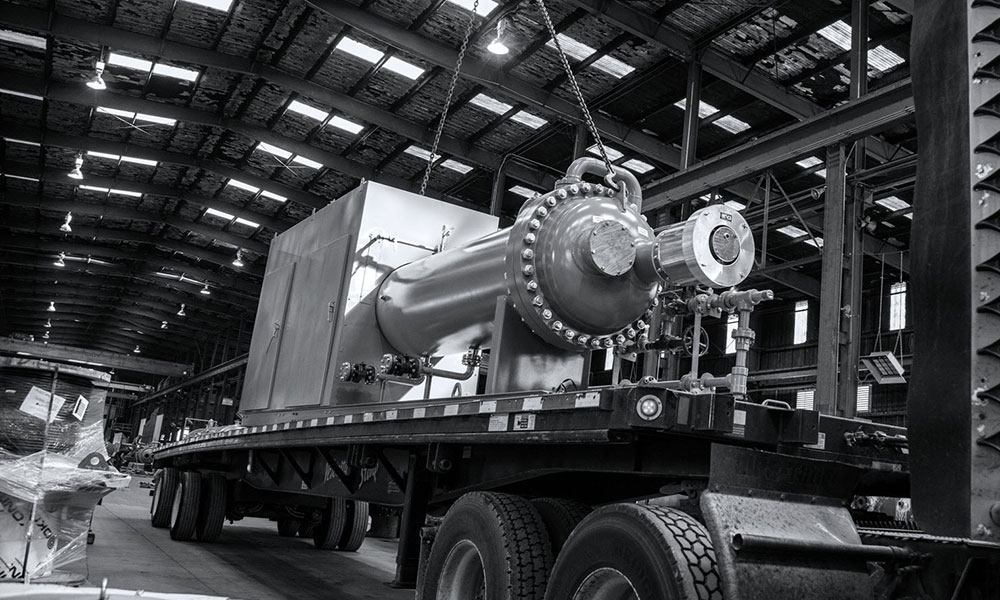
x: 327, y: 533
x: 306, y: 529
x: 355, y: 526
x: 184, y: 512
x: 288, y: 527
x: 635, y: 552
x: 212, y: 510
x: 560, y: 516
x: 163, y: 497
x: 490, y: 545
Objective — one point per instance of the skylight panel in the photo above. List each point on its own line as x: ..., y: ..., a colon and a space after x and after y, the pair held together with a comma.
x: 360, y: 50
x: 454, y: 165
x: 309, y: 111
x: 612, y: 153
x: 490, y: 104
x: 154, y: 119
x: 122, y: 60
x: 307, y: 162
x: 127, y: 193
x: 264, y: 146
x: 638, y: 166
x: 731, y: 124
x: 175, y: 72
x: 791, y: 231
x: 24, y: 142
x: 94, y: 188
x: 236, y: 183
x: 839, y: 33
x: 485, y: 6
x: 20, y: 177
x: 526, y: 118
x: 114, y: 111
x: 408, y: 70
x: 103, y: 155
x: 23, y: 39
x: 893, y: 203
x: 348, y: 126
x: 520, y: 190
x: 810, y: 162
x: 881, y: 58
x: 222, y: 5
x: 21, y: 94
x: 418, y: 152
x: 273, y: 196
x: 909, y: 216
x: 816, y: 244
x: 247, y: 222
x: 220, y: 214
x: 139, y: 161
x: 704, y: 108
x: 733, y: 204
x: 580, y: 51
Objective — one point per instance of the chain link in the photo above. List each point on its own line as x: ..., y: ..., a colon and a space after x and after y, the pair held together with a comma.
x: 579, y: 94
x: 447, y: 100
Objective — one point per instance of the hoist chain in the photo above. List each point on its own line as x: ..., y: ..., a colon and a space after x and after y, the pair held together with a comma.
x: 447, y: 100
x: 576, y: 90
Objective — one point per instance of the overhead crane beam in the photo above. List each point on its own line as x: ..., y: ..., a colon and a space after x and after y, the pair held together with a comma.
x: 124, y: 362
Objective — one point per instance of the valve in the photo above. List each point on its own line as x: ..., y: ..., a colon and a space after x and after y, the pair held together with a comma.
x: 358, y: 373
x: 399, y: 365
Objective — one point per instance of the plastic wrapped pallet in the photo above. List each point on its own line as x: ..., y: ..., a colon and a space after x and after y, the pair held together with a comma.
x: 53, y: 464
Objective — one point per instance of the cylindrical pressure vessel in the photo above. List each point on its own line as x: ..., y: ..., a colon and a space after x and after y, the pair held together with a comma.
x: 580, y: 265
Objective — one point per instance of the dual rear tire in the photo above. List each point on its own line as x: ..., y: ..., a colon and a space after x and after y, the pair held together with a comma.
x: 191, y: 505
x: 342, y: 526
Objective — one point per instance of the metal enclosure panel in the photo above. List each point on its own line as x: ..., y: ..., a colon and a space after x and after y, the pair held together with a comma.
x: 312, y: 322
x: 266, y: 341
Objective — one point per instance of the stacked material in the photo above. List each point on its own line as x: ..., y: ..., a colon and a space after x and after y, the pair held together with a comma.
x: 53, y: 464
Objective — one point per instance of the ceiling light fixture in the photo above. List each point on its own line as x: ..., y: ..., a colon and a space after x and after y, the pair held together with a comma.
x: 497, y: 46
x: 65, y: 228
x: 163, y: 324
x: 48, y: 323
x: 205, y: 290
x: 238, y: 261
x: 61, y: 261
x: 97, y: 83
x: 76, y: 173
x: 181, y: 312
x: 45, y: 336
x: 52, y: 307
x: 137, y: 351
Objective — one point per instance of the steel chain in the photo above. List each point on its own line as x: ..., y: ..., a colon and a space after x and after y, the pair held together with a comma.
x: 579, y: 94
x: 447, y: 100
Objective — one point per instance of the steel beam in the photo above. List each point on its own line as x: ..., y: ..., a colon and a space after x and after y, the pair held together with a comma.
x: 215, y: 371
x: 848, y: 122
x: 61, y: 26
x: 692, y: 118
x: 124, y: 362
x: 828, y: 351
x: 476, y: 70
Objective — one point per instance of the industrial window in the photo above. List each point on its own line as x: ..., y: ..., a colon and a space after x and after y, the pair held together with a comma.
x: 801, y: 321
x: 897, y: 306
x: 731, y: 324
x: 864, y: 398
x: 804, y: 399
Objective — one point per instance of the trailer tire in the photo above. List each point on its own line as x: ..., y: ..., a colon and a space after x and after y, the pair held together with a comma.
x: 212, y: 509
x: 355, y: 526
x: 288, y: 527
x: 561, y: 516
x: 184, y: 512
x: 327, y: 533
x: 489, y: 542
x: 306, y: 529
x: 641, y: 552
x: 163, y: 497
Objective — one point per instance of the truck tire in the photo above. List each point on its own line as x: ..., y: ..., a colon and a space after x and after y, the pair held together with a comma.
x: 163, y: 497
x: 288, y: 527
x: 355, y: 526
x: 184, y: 512
x: 490, y: 545
x: 212, y: 511
x: 636, y: 552
x: 327, y: 533
x: 560, y: 516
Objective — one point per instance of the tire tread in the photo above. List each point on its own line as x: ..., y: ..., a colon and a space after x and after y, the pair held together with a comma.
x: 166, y: 485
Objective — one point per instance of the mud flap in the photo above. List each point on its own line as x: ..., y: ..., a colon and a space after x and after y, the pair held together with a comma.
x: 781, y: 527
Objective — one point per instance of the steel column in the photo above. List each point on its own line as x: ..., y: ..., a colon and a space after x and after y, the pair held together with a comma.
x: 827, y: 356
x: 692, y: 103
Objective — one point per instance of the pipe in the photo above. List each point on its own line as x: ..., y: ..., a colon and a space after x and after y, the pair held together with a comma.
x: 748, y: 542
x: 461, y: 375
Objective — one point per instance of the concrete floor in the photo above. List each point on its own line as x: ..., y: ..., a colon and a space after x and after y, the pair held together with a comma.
x: 249, y: 561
